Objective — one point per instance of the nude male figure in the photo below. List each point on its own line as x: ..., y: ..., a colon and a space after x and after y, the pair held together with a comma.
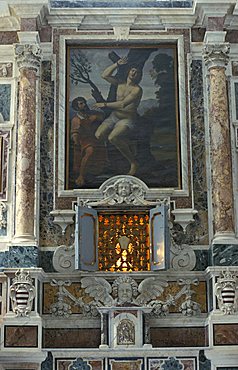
x: 117, y: 127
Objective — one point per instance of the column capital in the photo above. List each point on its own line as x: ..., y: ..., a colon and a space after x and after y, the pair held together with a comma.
x: 28, y: 56
x: 216, y: 55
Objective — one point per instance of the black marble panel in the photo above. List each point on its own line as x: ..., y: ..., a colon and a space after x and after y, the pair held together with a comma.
x: 224, y: 255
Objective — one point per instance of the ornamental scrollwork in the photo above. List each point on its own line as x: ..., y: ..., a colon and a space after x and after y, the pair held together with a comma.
x: 123, y: 190
x: 63, y: 259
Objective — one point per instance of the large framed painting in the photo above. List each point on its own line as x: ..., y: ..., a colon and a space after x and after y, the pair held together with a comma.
x: 122, y: 115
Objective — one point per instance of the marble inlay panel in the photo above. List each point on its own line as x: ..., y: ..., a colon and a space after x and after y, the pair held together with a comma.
x: 4, y: 148
x: 121, y: 4
x: 160, y: 364
x: 198, y: 229
x: 8, y: 37
x: 48, y: 363
x: 178, y: 337
x: 224, y: 255
x: 19, y: 256
x: 50, y: 234
x: 5, y: 102
x: 225, y: 334
x: 126, y: 364
x: 28, y: 24
x: 21, y: 336
x: 71, y: 338
x: 64, y: 364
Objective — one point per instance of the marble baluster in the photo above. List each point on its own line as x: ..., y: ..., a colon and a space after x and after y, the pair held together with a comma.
x: 216, y: 57
x: 28, y: 58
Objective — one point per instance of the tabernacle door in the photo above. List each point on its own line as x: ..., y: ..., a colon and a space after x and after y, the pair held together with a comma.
x: 86, y: 237
x: 159, y: 238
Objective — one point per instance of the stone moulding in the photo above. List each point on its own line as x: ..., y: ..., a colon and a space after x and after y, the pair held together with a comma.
x: 123, y: 190
x: 63, y: 218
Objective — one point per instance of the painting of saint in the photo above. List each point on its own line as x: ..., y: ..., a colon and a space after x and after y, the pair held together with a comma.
x: 122, y: 116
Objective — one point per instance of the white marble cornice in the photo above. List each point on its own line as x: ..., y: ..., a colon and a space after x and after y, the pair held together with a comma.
x: 26, y: 8
x: 211, y: 8
x: 8, y: 19
x: 138, y: 17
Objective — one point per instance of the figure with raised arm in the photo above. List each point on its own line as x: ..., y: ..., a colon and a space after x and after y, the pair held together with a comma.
x: 118, y: 127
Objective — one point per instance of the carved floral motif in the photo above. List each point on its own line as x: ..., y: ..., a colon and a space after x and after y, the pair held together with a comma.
x: 124, y: 291
x: 60, y: 308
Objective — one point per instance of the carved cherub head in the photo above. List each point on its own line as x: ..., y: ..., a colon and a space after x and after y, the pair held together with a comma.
x: 125, y: 289
x: 123, y: 188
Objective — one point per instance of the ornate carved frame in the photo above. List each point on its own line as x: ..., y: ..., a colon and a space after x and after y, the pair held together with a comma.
x: 151, y: 194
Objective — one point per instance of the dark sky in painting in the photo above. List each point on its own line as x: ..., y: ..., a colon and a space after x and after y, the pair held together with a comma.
x: 155, y: 138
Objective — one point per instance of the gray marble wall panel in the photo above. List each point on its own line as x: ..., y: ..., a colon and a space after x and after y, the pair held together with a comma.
x: 121, y: 3
x: 49, y: 233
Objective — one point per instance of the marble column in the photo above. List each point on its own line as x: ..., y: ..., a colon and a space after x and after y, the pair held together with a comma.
x: 28, y: 58
x: 216, y: 57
